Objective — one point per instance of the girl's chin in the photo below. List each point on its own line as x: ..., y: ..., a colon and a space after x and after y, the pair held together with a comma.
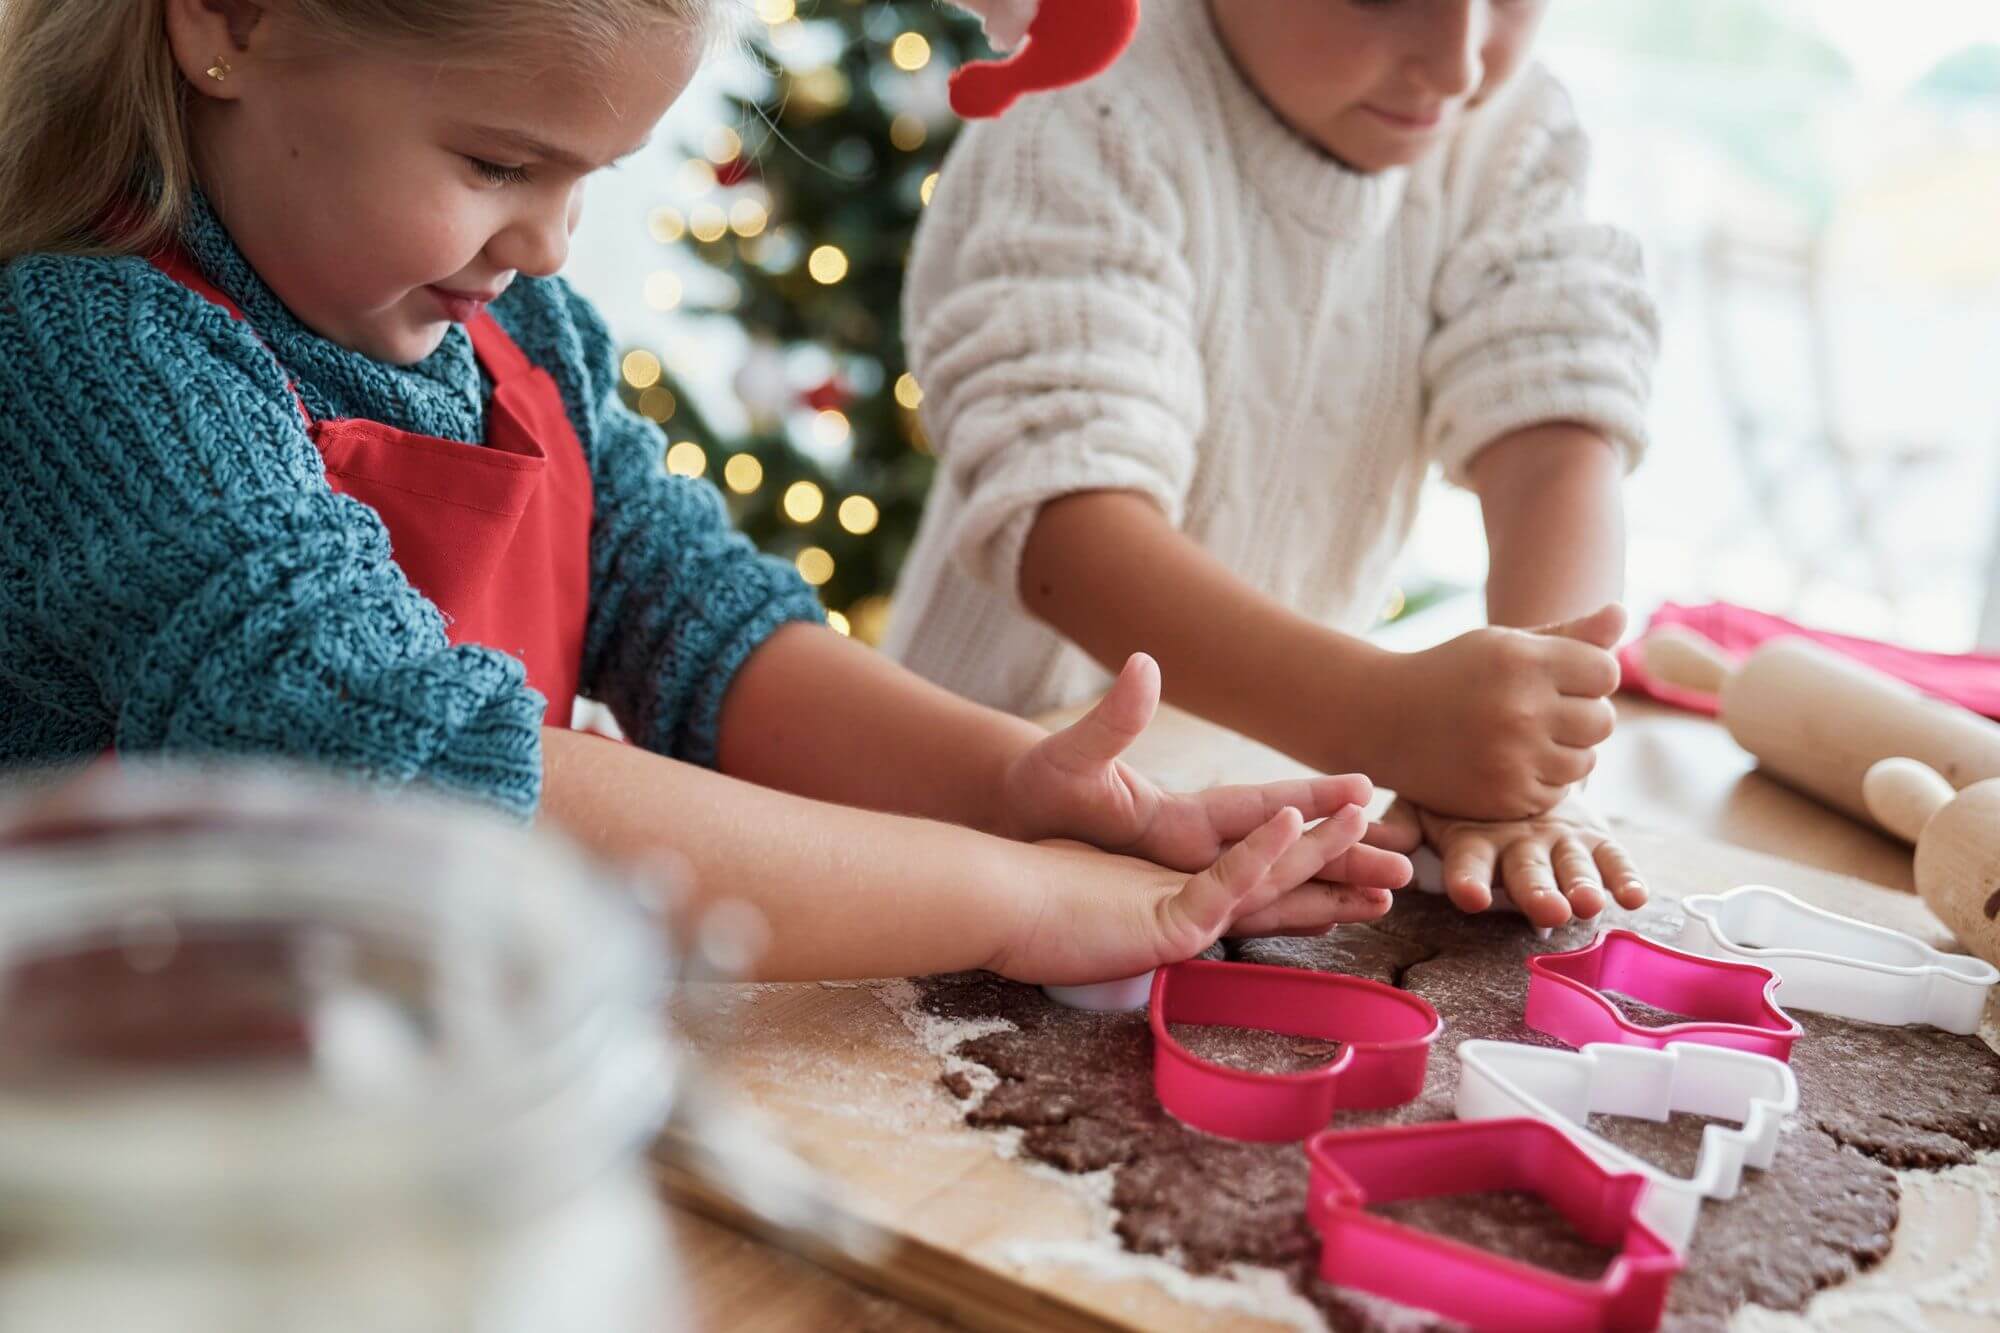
x: 403, y: 345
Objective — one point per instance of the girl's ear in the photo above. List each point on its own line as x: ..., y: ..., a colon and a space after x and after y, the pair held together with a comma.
x: 212, y: 43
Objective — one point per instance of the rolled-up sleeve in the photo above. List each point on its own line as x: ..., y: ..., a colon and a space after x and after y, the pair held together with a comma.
x: 1049, y: 315
x: 1540, y: 314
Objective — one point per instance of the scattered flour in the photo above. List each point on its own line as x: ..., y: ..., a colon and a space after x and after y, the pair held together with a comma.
x: 941, y: 1036
x: 1262, y: 1293
x: 1965, y: 1294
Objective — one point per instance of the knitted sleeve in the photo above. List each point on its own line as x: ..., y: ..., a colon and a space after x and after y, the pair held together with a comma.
x: 1540, y: 314
x: 178, y: 577
x: 1049, y: 316
x: 679, y: 599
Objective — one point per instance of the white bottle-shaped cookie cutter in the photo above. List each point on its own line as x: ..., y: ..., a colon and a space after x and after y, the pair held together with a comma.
x: 1565, y: 1088
x: 1832, y: 964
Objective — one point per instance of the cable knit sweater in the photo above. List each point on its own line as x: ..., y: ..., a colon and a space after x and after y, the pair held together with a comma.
x: 1148, y: 283
x: 176, y: 574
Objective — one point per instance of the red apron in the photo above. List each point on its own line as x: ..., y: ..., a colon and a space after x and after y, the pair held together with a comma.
x: 498, y: 536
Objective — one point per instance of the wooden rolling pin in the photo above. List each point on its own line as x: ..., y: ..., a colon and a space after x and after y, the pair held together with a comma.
x: 1819, y: 721
x: 1957, y: 835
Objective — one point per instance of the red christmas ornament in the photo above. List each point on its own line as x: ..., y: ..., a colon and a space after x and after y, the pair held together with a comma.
x: 735, y: 171
x: 829, y: 395
x: 1068, y: 41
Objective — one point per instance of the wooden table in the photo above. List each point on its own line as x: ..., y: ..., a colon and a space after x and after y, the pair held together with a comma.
x: 1664, y: 773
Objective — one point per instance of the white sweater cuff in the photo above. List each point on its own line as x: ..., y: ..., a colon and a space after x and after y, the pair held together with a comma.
x: 994, y: 525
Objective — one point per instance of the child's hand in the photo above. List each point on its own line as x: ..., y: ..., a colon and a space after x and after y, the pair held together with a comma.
x: 1497, y: 723
x: 1072, y: 785
x: 1552, y: 866
x: 1091, y: 917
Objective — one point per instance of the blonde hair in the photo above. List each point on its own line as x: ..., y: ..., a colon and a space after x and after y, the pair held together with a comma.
x: 94, y: 111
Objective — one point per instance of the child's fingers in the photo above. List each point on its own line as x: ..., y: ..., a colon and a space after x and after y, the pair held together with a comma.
x: 1307, y: 858
x: 1313, y: 909
x: 1601, y: 628
x: 1582, y: 722
x: 1583, y: 671
x: 1622, y: 877
x: 1329, y: 792
x: 1234, y: 811
x: 1393, y: 835
x: 1368, y: 867
x: 1109, y: 728
x: 1531, y: 883
x: 1322, y: 843
x: 1576, y: 876
x: 1210, y: 900
x: 1568, y: 765
x: 1468, y: 872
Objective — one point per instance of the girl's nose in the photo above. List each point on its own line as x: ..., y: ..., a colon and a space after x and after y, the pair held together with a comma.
x: 537, y: 244
x: 1447, y: 59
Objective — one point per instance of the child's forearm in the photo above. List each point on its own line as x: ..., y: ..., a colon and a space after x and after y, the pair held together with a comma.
x: 1555, y: 524
x: 819, y: 715
x: 846, y: 892
x: 1107, y: 569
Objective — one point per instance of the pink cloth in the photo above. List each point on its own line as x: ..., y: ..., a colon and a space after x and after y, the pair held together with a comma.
x: 1968, y: 679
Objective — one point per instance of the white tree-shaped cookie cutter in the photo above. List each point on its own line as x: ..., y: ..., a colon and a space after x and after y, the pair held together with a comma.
x: 1832, y: 964
x: 1503, y: 1078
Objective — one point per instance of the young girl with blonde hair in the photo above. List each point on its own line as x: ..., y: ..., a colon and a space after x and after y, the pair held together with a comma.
x: 312, y: 456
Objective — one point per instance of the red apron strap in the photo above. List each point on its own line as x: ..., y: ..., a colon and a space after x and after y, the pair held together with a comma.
x: 175, y: 263
x: 503, y: 359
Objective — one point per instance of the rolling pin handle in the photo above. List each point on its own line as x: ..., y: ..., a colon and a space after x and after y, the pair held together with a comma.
x: 1903, y: 794
x: 1680, y: 656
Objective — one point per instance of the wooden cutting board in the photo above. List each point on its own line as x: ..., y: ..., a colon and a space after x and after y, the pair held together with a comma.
x: 960, y: 1229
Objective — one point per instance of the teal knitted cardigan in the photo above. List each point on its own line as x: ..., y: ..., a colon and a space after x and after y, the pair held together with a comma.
x: 177, y: 577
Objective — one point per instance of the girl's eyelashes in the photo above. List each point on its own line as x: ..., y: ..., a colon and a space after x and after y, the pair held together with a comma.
x: 498, y: 173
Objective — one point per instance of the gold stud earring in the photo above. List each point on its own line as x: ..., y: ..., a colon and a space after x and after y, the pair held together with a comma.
x: 219, y: 70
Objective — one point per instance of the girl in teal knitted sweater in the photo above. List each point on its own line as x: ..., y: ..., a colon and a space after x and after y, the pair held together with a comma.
x: 310, y: 455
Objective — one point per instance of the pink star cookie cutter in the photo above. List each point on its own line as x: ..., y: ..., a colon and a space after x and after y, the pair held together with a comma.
x: 1728, y: 1003
x: 1366, y: 1252
x: 1387, y: 1035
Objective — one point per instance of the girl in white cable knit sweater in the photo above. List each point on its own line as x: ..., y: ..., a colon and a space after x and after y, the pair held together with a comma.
x: 1190, y: 337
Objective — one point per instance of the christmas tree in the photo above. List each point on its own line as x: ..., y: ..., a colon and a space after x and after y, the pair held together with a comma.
x: 807, y: 207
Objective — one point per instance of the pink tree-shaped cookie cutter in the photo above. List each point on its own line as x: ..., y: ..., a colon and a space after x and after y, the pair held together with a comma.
x: 1354, y: 1168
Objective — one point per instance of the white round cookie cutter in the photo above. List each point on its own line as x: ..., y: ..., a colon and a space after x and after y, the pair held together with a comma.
x: 1105, y: 997
x: 1832, y: 964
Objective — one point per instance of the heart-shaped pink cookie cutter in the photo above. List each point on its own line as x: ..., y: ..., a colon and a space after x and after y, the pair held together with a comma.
x: 1387, y: 1035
